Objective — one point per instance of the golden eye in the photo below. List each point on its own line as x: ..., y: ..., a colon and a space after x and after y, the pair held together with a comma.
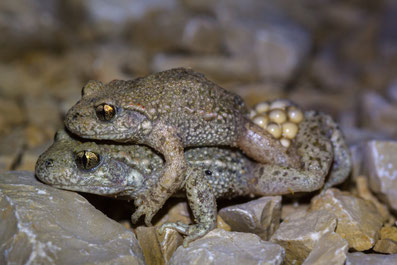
x: 105, y: 112
x: 87, y: 160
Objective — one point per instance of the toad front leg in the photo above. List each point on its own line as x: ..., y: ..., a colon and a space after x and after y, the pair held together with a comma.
x: 153, y: 197
x: 202, y: 201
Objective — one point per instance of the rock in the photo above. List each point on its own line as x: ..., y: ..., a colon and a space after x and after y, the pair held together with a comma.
x: 11, y: 149
x: 359, y: 258
x: 387, y: 246
x: 299, y: 234
x: 177, y: 212
x: 359, y: 221
x: 260, y: 217
x: 279, y: 50
x: 293, y: 209
x: 221, y: 247
x: 11, y: 116
x: 380, y: 165
x: 28, y: 23
x: 202, y: 35
x: 258, y: 92
x: 220, y: 223
x: 218, y: 68
x: 389, y: 232
x: 160, y: 28
x: 364, y: 192
x: 392, y: 91
x: 378, y: 113
x: 261, y: 31
x: 157, y: 248
x: 330, y: 249
x: 44, y: 225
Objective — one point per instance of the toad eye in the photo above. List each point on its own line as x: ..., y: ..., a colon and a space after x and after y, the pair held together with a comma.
x: 87, y: 160
x: 105, y: 112
x: 208, y: 172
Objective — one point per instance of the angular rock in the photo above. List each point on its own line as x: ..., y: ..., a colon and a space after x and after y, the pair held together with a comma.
x: 260, y: 217
x: 359, y: 221
x: 330, y: 249
x: 43, y: 225
x: 380, y: 162
x: 157, y: 248
x: 378, y: 113
x: 387, y: 246
x: 218, y: 68
x: 220, y: 223
x: 359, y: 258
x: 11, y: 148
x: 221, y: 247
x: 178, y: 212
x: 389, y: 232
x: 293, y: 209
x: 261, y: 31
x: 299, y: 234
x: 202, y: 35
x: 364, y: 192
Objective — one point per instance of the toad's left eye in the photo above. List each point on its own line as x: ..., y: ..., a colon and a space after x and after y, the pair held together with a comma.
x: 87, y: 160
x: 105, y: 112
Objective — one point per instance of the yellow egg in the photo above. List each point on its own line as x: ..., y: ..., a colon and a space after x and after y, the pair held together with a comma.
x: 295, y: 115
x: 252, y: 113
x: 262, y: 107
x: 274, y: 129
x: 290, y: 130
x: 285, y: 142
x: 261, y: 120
x: 278, y: 116
x: 280, y: 104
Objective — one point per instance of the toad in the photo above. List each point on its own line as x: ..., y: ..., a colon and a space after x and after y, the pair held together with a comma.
x: 170, y: 111
x: 121, y: 170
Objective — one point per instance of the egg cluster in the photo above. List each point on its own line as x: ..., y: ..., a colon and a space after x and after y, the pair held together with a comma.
x: 280, y: 118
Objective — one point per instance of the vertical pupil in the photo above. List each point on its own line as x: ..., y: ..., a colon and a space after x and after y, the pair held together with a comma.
x: 85, y: 160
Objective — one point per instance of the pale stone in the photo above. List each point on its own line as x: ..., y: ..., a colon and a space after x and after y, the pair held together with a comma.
x: 379, y: 113
x: 364, y: 192
x: 359, y: 258
x: 158, y: 249
x: 330, y: 249
x: 389, y: 232
x: 202, y: 35
x: 178, y: 212
x: 11, y: 148
x: 44, y: 225
x: 220, y: 223
x: 380, y: 164
x: 299, y: 234
x: 233, y: 248
x: 359, y: 221
x: 292, y: 209
x: 218, y: 68
x: 261, y: 216
x: 387, y: 246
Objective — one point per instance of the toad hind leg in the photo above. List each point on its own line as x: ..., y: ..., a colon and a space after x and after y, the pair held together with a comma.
x: 153, y: 197
x: 202, y: 202
x: 260, y: 145
x: 316, y: 153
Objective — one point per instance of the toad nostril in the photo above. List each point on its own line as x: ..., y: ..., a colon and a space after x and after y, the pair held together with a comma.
x: 49, y: 163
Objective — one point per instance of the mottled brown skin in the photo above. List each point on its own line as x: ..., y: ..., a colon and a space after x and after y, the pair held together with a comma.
x: 127, y: 170
x: 169, y: 111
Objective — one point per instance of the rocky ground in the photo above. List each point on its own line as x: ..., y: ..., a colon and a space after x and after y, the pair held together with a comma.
x: 339, y: 57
